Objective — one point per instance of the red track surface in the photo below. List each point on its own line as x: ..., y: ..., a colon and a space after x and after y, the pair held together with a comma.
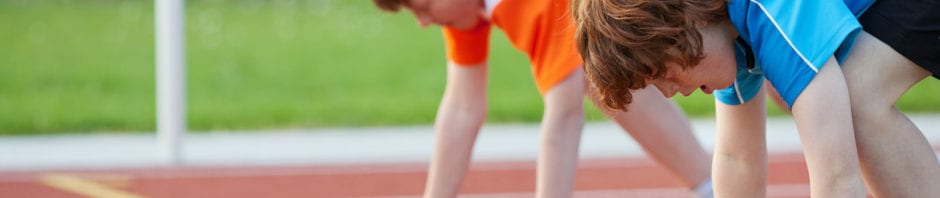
x: 596, y: 178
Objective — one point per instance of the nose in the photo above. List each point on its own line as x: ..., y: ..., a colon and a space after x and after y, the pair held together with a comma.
x: 424, y: 20
x: 687, y: 92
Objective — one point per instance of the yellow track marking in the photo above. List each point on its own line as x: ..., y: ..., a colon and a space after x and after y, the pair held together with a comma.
x: 84, y: 187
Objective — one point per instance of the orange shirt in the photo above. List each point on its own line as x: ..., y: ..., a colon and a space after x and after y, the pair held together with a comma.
x: 542, y: 29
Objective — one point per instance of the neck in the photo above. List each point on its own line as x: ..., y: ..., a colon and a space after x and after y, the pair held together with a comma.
x: 486, y: 6
x: 727, y: 30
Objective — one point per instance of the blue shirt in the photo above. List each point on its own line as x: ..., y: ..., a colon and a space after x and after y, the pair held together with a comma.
x: 790, y: 40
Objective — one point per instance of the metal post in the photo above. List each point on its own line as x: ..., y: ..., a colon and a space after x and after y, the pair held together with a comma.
x: 171, y: 78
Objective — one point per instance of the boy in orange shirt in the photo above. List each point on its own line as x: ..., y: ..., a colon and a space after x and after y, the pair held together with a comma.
x: 544, y: 32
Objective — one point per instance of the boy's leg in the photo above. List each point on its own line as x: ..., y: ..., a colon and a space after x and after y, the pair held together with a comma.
x: 459, y: 118
x: 665, y: 134
x: 562, y: 123
x: 897, y: 161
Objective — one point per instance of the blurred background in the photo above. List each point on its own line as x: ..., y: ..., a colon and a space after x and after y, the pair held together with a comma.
x: 87, y: 66
x: 297, y: 98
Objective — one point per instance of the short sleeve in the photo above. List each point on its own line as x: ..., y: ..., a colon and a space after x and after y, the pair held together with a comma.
x: 793, y: 39
x: 469, y: 46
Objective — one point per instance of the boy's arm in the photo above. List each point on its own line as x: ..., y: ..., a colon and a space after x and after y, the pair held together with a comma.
x: 459, y: 118
x: 740, y: 161
x: 824, y: 118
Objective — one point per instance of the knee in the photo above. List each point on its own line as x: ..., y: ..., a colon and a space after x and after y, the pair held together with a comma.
x: 564, y: 114
x: 867, y: 109
x: 742, y: 157
x: 562, y: 122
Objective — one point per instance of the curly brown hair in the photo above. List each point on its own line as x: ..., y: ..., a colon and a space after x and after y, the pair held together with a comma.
x: 627, y: 43
x: 390, y: 5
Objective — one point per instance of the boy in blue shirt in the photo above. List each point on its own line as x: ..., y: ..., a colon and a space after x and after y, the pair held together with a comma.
x: 730, y: 47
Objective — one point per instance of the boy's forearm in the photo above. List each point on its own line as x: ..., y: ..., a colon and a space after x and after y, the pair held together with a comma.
x: 740, y: 161
x: 824, y: 119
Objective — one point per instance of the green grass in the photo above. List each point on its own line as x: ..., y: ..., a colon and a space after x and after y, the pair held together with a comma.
x: 88, y: 66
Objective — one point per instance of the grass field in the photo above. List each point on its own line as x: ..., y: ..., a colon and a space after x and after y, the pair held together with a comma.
x: 88, y: 66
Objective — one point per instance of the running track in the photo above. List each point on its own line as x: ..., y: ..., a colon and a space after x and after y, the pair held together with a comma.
x: 636, y: 177
x: 347, y: 163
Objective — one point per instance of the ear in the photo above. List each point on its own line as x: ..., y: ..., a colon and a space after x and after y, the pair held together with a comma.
x: 699, y: 24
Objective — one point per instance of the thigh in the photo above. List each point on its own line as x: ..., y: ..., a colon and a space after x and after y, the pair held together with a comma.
x: 566, y: 96
x: 910, y: 27
x: 878, y: 75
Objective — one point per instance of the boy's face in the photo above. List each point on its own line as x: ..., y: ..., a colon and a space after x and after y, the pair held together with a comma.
x: 460, y: 14
x: 716, y: 71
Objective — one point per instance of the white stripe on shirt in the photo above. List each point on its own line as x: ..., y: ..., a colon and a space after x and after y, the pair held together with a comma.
x: 785, y: 37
